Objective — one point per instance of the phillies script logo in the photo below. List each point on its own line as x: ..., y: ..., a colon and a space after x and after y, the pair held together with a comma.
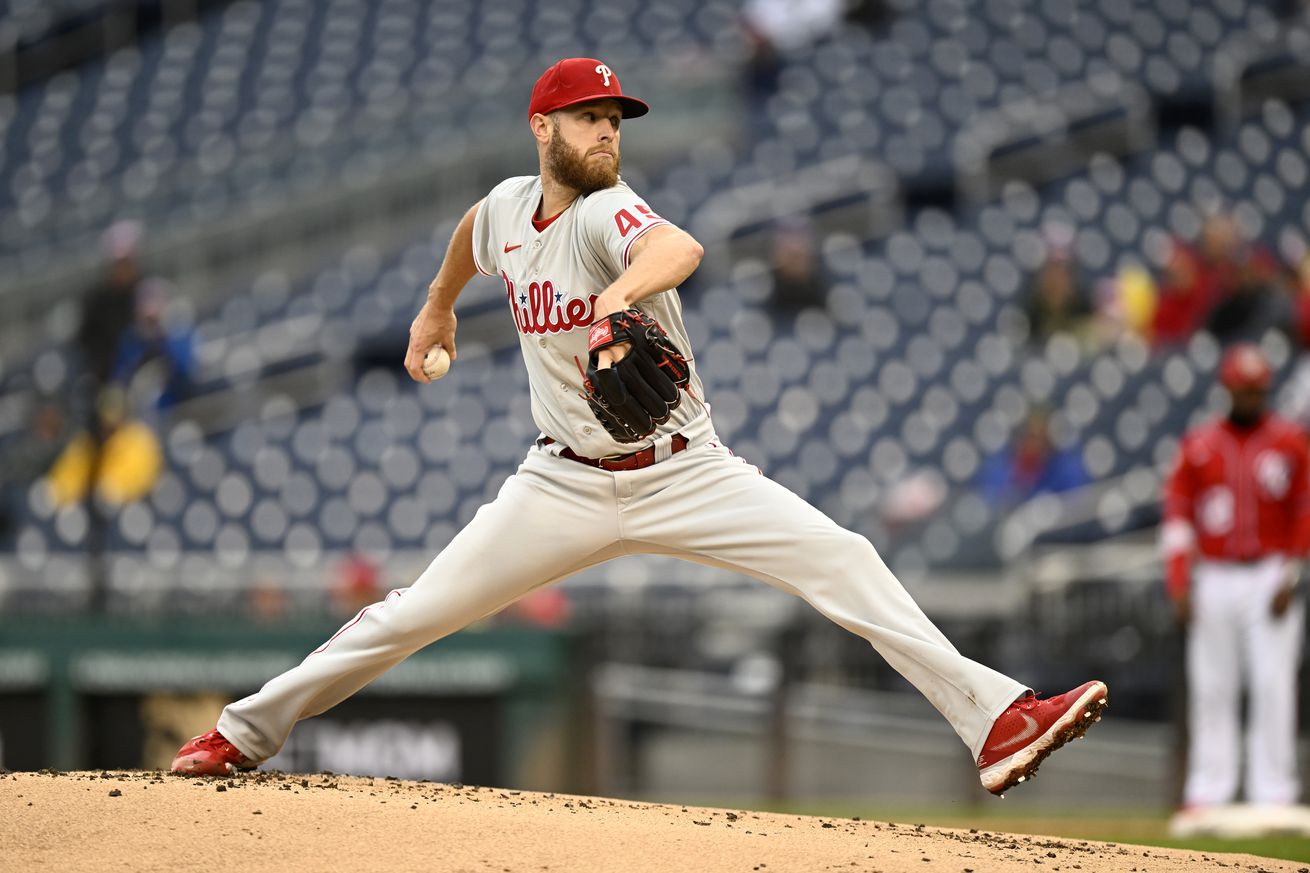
x: 542, y: 309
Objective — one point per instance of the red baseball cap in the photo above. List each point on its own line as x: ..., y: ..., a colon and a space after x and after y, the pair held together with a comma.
x: 577, y: 80
x: 1245, y: 368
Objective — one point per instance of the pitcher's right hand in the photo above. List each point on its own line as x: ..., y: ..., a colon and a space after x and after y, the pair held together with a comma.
x: 432, y: 327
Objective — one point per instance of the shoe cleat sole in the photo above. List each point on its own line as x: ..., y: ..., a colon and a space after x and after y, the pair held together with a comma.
x: 1024, y: 764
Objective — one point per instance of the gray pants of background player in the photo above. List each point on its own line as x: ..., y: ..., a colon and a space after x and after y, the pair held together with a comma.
x: 555, y: 517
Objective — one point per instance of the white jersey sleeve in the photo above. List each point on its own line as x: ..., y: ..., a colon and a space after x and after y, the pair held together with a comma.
x: 611, y: 221
x: 486, y: 249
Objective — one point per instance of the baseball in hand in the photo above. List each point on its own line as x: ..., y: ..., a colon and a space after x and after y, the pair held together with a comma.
x: 436, y: 362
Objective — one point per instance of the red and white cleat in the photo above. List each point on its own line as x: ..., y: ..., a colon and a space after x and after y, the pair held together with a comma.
x: 1031, y: 728
x: 210, y: 755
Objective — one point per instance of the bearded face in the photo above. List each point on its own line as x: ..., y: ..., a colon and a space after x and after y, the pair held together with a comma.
x: 579, y: 170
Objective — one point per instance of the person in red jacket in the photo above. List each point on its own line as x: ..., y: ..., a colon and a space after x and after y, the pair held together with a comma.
x: 1237, y: 523
x: 1221, y: 282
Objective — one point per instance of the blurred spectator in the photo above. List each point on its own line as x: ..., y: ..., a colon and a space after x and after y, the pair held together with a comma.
x: 110, y: 307
x: 869, y: 14
x: 1255, y: 305
x: 27, y: 458
x: 543, y: 608
x: 1223, y: 283
x: 1294, y: 400
x: 1032, y: 465
x: 912, y: 499
x: 115, y: 460
x: 773, y: 28
x: 107, y: 311
x: 798, y: 279
x: 124, y: 465
x: 149, y: 352
x: 792, y: 24
x: 1301, y: 299
x: 359, y: 584
x: 1058, y: 301
x: 1126, y: 302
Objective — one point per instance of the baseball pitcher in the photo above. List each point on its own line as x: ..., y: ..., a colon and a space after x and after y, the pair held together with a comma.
x: 627, y: 462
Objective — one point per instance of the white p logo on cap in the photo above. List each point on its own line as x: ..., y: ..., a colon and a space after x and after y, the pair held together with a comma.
x: 604, y: 71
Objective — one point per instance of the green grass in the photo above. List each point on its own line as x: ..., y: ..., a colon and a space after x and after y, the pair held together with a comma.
x: 1287, y: 848
x: 1140, y: 826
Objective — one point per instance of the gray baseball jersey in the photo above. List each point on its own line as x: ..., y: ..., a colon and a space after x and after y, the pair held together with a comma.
x: 552, y: 278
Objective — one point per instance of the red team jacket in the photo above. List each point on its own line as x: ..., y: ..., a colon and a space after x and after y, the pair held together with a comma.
x: 1236, y: 495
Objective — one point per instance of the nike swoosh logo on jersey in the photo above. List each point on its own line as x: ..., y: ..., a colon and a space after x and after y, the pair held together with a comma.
x: 509, y: 248
x: 1029, y: 731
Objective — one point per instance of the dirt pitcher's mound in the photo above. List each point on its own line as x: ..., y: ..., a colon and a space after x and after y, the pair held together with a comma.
x: 278, y: 822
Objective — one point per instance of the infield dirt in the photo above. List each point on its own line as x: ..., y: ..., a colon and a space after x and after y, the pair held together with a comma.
x: 149, y: 821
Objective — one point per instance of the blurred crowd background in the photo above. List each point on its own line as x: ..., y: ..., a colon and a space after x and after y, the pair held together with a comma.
x: 970, y: 270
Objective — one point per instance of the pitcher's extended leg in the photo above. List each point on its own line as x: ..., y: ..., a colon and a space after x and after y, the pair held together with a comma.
x: 715, y: 509
x: 551, y: 519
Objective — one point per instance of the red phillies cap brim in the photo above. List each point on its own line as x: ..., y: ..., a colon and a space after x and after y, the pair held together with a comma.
x: 580, y: 80
x: 632, y: 107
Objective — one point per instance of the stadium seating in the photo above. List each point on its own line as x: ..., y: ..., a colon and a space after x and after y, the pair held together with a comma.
x: 254, y: 99
x: 231, y: 111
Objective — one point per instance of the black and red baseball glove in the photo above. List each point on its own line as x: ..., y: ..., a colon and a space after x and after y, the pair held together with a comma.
x: 641, y: 390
